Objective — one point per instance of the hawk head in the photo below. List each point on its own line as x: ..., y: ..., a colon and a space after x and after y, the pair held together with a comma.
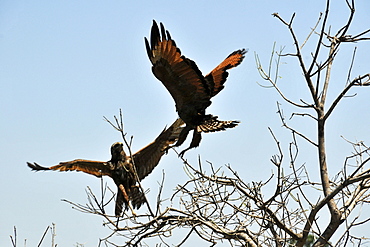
x: 117, y: 152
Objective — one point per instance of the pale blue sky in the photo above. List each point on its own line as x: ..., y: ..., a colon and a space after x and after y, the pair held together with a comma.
x: 66, y: 64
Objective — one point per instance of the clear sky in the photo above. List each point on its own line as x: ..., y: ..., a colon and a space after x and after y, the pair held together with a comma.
x: 66, y: 64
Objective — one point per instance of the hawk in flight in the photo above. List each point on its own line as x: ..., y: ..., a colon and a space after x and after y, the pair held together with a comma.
x: 121, y: 168
x: 191, y: 90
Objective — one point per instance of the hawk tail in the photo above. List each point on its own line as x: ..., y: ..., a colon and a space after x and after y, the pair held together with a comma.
x: 137, y: 197
x: 212, y: 124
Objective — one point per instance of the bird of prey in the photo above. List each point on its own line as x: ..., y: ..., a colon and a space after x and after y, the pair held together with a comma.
x: 121, y: 168
x: 191, y: 91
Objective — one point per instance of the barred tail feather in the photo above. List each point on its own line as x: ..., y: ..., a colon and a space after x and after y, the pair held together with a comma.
x: 213, y: 124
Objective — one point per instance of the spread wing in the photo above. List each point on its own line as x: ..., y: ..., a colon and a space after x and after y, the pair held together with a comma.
x: 147, y: 158
x: 179, y: 75
x: 217, y: 77
x: 96, y: 168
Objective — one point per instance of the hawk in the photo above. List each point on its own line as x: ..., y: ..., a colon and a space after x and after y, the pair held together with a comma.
x: 121, y: 168
x: 191, y: 91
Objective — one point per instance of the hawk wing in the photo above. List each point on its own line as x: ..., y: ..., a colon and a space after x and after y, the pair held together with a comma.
x: 96, y: 168
x: 179, y: 75
x: 217, y: 77
x: 147, y: 158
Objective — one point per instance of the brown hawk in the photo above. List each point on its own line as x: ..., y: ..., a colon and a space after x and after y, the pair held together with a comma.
x: 121, y: 168
x: 191, y: 90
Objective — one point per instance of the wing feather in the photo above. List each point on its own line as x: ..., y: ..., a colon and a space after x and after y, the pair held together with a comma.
x: 147, y: 158
x: 217, y: 77
x: 96, y: 168
x: 180, y: 75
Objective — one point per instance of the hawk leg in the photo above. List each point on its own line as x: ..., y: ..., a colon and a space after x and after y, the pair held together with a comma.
x: 182, y: 137
x: 194, y: 142
x: 126, y: 199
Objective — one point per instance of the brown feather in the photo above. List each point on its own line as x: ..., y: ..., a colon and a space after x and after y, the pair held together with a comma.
x: 96, y: 168
x: 217, y: 77
x: 179, y: 75
x: 147, y: 158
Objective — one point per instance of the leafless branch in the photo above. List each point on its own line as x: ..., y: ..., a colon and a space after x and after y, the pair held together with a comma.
x: 282, y: 118
x: 266, y: 76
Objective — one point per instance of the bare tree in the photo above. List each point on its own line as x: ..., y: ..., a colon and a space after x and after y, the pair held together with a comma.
x: 217, y: 205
